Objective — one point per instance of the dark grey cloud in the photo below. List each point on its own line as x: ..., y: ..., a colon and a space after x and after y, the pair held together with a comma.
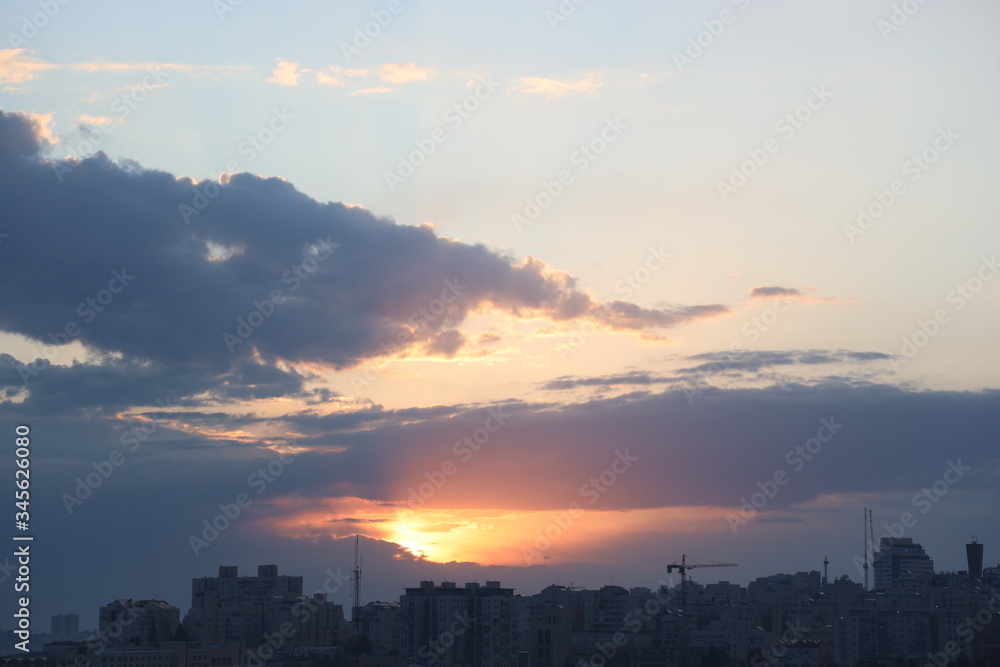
x: 43, y: 388
x: 742, y: 361
x: 710, y: 449
x: 99, y: 252
x: 738, y: 363
x: 767, y: 292
x: 20, y: 136
x: 620, y: 379
x: 706, y: 449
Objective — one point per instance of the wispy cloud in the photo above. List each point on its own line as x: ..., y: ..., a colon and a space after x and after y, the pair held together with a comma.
x: 552, y: 89
x: 87, y: 119
x: 374, y: 90
x: 16, y: 67
x: 324, y: 79
x: 786, y: 293
x: 405, y: 72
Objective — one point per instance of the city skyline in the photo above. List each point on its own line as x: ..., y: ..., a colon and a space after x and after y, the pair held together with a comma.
x: 337, y: 583
x: 557, y: 292
x: 911, y: 613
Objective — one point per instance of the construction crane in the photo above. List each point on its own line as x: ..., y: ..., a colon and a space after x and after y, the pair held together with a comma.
x: 683, y: 567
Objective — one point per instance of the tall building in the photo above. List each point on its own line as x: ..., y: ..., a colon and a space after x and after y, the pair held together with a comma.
x: 138, y: 621
x: 974, y: 554
x: 445, y: 625
x: 380, y: 625
x: 900, y: 559
x: 254, y: 610
x: 65, y: 626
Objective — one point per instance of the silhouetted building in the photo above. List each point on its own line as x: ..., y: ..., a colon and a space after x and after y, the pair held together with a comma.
x: 974, y: 555
x: 259, y: 611
x: 138, y: 621
x: 65, y: 626
x: 380, y: 624
x: 451, y: 626
x: 900, y: 558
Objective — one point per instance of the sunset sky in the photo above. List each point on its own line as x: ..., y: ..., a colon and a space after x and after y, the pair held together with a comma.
x: 534, y: 291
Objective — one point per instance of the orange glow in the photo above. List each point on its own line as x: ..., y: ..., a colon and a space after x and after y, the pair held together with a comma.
x: 487, y: 537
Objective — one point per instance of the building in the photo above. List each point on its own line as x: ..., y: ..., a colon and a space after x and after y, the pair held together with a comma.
x: 379, y: 623
x: 445, y: 625
x: 900, y: 560
x: 138, y: 621
x: 155, y: 654
x: 268, y: 610
x: 65, y: 626
x: 974, y: 556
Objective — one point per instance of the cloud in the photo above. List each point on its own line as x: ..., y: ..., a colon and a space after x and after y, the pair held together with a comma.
x: 789, y: 293
x: 447, y: 343
x: 16, y: 67
x: 743, y: 361
x: 630, y: 378
x: 768, y: 292
x: 374, y: 90
x: 23, y: 135
x: 551, y: 88
x: 87, y: 119
x: 324, y: 79
x: 286, y: 73
x: 405, y: 72
x: 98, y: 66
x: 262, y: 273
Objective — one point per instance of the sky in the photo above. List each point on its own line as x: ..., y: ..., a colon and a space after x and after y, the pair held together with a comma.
x: 540, y: 292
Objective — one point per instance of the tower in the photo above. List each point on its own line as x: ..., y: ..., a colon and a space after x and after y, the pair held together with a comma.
x: 974, y: 555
